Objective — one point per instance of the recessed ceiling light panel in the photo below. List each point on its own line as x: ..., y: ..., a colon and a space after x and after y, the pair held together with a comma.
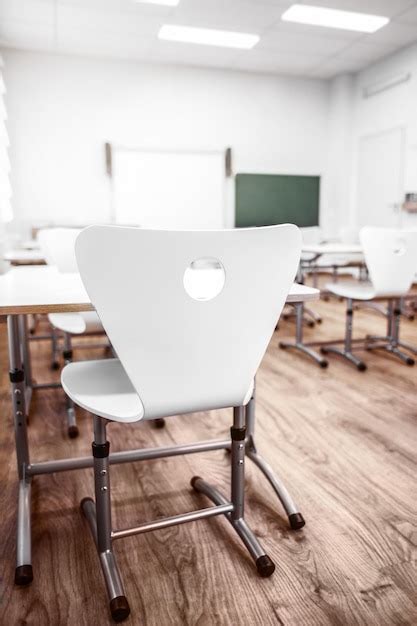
x: 166, y: 3
x: 208, y: 36
x: 333, y: 18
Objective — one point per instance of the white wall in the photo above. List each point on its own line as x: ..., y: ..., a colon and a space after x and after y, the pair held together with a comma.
x: 338, y: 179
x: 62, y: 109
x: 395, y: 107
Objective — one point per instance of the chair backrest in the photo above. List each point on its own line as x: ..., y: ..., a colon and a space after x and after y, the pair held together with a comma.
x: 190, y: 354
x: 58, y: 246
x: 391, y: 258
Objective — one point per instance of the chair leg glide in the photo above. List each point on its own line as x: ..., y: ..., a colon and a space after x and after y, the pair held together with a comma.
x: 23, y: 575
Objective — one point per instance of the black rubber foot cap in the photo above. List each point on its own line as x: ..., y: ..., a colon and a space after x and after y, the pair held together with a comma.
x: 323, y: 351
x: 311, y: 324
x: 362, y: 367
x: 119, y: 608
x: 324, y: 364
x: 265, y: 566
x: 55, y: 365
x: 282, y: 346
x: 73, y: 432
x: 319, y: 321
x: 410, y: 361
x: 194, y: 480
x: 23, y: 575
x: 296, y: 520
x: 159, y: 423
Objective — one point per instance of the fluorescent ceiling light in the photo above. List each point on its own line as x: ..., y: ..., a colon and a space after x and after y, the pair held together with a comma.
x: 333, y: 18
x: 207, y: 36
x: 167, y: 3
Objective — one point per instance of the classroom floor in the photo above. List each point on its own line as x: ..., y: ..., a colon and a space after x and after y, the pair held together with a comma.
x: 345, y: 444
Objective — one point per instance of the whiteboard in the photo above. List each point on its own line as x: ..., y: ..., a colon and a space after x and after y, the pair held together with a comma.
x: 169, y: 189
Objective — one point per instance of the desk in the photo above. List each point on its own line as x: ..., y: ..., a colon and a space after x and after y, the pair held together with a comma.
x: 24, y: 257
x: 332, y: 248
x: 32, y: 290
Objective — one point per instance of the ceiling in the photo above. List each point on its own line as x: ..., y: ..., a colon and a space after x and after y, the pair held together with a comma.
x: 123, y: 29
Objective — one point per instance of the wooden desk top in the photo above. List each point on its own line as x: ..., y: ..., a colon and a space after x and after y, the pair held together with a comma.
x: 42, y: 289
x: 24, y: 257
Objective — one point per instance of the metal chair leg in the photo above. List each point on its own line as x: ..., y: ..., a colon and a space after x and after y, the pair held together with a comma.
x: 72, y: 427
x: 299, y: 342
x: 346, y: 351
x: 408, y: 347
x: 98, y: 516
x: 295, y: 518
x: 54, y: 346
x: 264, y: 563
x: 24, y: 572
x: 391, y: 342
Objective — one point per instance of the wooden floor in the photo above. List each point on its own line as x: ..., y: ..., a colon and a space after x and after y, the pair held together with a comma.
x: 345, y: 444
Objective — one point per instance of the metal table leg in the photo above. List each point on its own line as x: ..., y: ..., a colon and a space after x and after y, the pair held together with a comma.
x: 299, y: 344
x: 23, y: 573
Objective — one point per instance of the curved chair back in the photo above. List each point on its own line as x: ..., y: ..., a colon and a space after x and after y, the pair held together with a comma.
x: 184, y: 354
x: 391, y: 258
x: 58, y: 246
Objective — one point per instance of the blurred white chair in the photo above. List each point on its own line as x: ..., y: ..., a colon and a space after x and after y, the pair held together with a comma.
x: 310, y: 235
x: 57, y: 244
x: 391, y: 259
x: 205, y: 359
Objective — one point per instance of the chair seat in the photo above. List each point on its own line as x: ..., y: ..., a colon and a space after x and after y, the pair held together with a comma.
x: 77, y: 323
x: 103, y: 388
x: 352, y: 289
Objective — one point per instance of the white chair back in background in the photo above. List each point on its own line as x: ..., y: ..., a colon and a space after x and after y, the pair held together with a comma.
x: 391, y: 258
x: 184, y: 354
x: 57, y: 244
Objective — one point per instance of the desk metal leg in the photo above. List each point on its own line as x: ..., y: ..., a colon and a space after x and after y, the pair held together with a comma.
x: 295, y: 518
x: 23, y: 573
x: 299, y: 343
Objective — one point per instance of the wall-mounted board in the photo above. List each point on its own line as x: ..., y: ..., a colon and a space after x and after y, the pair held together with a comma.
x: 168, y: 188
x: 265, y: 199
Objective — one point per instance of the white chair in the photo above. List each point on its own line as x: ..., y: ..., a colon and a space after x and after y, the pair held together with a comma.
x: 57, y: 244
x: 310, y: 235
x: 391, y: 259
x: 205, y: 358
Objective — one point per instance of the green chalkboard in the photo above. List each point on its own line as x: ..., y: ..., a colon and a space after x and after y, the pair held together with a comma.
x: 265, y: 199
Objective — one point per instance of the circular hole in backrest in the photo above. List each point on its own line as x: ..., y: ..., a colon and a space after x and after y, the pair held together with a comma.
x: 204, y: 278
